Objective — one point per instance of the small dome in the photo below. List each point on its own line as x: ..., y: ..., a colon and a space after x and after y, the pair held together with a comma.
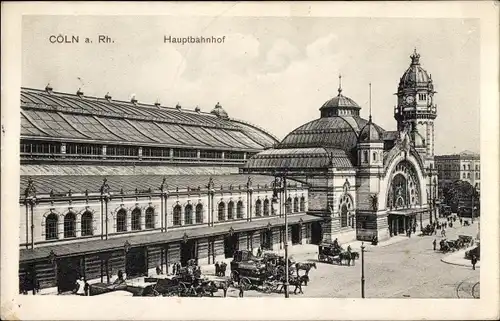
x: 415, y: 75
x: 340, y: 105
x: 219, y: 111
x: 370, y: 133
x: 340, y: 101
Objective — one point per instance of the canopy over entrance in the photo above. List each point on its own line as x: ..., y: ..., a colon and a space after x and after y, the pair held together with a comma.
x: 408, y: 211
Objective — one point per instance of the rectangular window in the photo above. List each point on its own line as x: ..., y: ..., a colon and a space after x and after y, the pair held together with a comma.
x: 234, y: 155
x: 210, y: 154
x: 185, y: 153
x: 122, y: 151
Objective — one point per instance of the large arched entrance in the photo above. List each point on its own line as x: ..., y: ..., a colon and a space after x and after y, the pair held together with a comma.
x: 403, y: 198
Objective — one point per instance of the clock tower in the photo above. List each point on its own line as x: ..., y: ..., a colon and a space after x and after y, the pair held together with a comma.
x: 416, y: 108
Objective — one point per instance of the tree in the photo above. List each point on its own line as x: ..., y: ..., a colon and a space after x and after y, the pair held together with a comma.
x: 460, y: 193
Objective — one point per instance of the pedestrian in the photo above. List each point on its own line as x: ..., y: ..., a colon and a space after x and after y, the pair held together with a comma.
x: 86, y: 288
x: 240, y: 294
x: 461, y: 222
x: 217, y: 268
x: 474, y: 261
x: 434, y: 244
x: 259, y: 252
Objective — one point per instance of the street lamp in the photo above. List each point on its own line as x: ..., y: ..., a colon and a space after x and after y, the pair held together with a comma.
x: 276, y: 188
x: 362, y: 270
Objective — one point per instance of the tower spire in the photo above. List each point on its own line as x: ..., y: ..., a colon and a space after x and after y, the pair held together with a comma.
x: 370, y: 103
x: 340, y: 84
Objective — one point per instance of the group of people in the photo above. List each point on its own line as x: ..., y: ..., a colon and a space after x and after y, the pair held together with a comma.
x: 82, y: 287
x: 220, y: 268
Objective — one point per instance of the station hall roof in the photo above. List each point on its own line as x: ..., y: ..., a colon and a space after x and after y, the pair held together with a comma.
x: 50, y: 115
x: 78, y: 184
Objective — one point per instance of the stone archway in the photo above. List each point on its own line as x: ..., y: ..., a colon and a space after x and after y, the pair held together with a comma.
x: 404, y: 187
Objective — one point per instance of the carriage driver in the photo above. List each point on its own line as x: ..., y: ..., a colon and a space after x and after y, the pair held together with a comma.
x: 336, y: 244
x: 349, y: 248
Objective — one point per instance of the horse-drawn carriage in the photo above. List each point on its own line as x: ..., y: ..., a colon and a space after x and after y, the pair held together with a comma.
x: 334, y: 253
x: 428, y: 230
x: 266, y: 272
x: 476, y: 251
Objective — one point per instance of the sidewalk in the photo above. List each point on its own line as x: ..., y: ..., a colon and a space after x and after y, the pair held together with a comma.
x: 458, y: 258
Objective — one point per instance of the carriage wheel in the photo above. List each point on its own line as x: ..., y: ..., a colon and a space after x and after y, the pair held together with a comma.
x: 246, y: 284
x: 183, y: 290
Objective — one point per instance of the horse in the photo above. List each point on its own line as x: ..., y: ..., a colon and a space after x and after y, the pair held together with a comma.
x: 345, y: 256
x: 306, y: 266
x: 354, y: 257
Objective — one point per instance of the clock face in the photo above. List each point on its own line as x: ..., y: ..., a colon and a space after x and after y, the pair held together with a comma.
x: 409, y: 99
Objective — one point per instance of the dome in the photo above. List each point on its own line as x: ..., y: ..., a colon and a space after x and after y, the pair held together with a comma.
x: 415, y: 75
x: 370, y: 133
x: 340, y: 101
x: 329, y: 132
x: 219, y: 111
x: 340, y: 105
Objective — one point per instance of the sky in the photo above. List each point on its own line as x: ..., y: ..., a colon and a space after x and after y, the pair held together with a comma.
x: 274, y: 72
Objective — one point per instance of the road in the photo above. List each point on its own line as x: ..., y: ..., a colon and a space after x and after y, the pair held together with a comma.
x: 407, y: 269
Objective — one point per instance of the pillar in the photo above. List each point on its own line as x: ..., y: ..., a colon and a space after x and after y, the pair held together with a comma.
x: 60, y: 227
x: 143, y: 220
x: 129, y: 220
x: 78, y: 227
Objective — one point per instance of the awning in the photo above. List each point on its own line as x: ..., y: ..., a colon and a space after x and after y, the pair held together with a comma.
x: 172, y: 235
x: 408, y: 211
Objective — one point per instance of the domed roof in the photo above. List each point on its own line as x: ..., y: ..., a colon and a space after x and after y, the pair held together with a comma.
x: 340, y: 101
x: 415, y: 75
x: 335, y: 132
x: 219, y: 111
x: 370, y: 133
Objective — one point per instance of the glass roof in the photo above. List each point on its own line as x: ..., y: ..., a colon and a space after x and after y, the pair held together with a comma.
x: 79, y: 183
x: 100, y: 119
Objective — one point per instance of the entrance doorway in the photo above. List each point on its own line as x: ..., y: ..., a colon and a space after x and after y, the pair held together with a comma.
x: 68, y: 271
x: 231, y: 245
x: 316, y: 233
x: 296, y: 239
x: 188, y: 251
x: 135, y: 264
x: 266, y: 239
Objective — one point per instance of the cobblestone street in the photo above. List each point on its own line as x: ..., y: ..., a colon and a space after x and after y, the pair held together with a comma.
x: 406, y: 269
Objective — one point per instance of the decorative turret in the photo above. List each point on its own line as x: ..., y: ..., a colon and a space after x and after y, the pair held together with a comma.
x: 415, y: 104
x: 370, y: 142
x: 340, y: 105
x: 219, y: 112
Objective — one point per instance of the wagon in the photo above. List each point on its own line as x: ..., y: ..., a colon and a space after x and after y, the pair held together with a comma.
x: 328, y: 253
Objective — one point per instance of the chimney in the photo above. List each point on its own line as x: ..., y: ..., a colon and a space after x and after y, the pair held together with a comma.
x: 79, y: 92
x: 108, y: 96
x: 48, y: 88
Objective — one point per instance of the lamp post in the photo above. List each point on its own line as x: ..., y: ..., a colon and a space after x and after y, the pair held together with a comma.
x: 472, y: 207
x: 362, y: 270
x: 278, y: 186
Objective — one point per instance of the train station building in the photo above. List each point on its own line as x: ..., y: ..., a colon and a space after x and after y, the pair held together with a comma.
x: 110, y: 185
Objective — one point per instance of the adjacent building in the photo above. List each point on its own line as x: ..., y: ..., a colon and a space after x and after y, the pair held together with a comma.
x: 464, y: 166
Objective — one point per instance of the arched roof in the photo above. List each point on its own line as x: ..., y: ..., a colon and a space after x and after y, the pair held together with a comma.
x: 46, y: 114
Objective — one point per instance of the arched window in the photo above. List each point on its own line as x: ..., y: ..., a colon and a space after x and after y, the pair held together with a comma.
x: 121, y: 220
x: 199, y: 214
x: 87, y: 228
x: 374, y: 156
x: 51, y: 227
x: 177, y: 216
x: 230, y: 210
x: 150, y: 217
x: 239, y: 209
x: 295, y: 204
x: 302, y: 204
x: 69, y: 225
x: 343, y: 216
x: 222, y: 208
x: 136, y: 219
x: 266, y: 207
x: 288, y: 206
x: 365, y: 156
x: 274, y: 206
x: 188, y: 214
x: 258, y: 208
